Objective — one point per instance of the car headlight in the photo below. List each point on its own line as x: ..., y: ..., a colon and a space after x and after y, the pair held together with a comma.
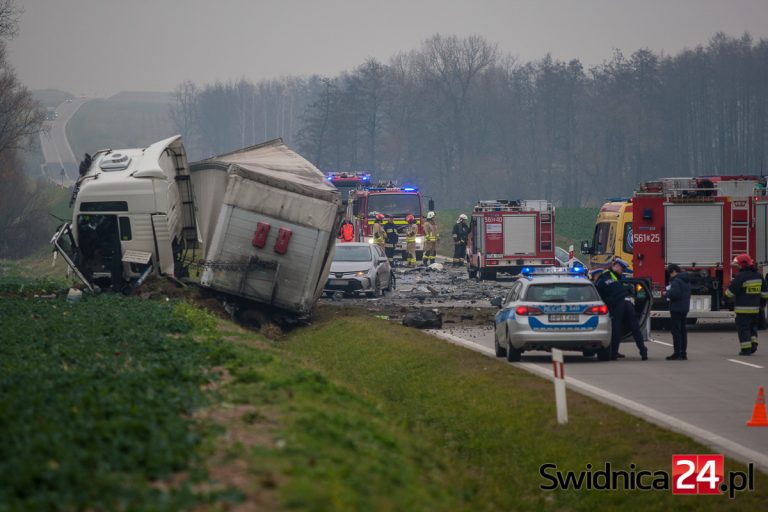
x: 419, y: 239
x: 368, y: 239
x: 361, y: 274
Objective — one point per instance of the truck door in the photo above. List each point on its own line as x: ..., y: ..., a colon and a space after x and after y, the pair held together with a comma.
x: 64, y: 244
x: 640, y: 291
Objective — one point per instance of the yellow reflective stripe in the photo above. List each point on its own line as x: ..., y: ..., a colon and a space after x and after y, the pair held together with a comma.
x: 729, y: 293
x: 747, y: 310
x: 764, y: 295
x: 751, y: 282
x: 746, y: 345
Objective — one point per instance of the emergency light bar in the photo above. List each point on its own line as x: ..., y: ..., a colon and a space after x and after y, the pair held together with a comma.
x: 349, y: 176
x: 576, y: 270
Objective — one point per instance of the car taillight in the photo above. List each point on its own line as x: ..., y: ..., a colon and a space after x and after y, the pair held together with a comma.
x: 528, y: 311
x: 597, y: 310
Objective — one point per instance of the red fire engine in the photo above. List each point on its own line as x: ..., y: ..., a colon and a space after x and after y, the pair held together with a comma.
x: 392, y: 201
x: 348, y: 181
x: 506, y: 236
x: 700, y: 224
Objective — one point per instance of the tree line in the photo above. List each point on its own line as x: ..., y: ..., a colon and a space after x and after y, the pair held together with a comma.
x: 465, y: 121
x: 24, y: 223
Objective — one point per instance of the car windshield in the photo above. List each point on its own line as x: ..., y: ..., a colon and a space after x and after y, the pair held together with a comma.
x: 396, y: 205
x: 561, y: 292
x: 352, y: 253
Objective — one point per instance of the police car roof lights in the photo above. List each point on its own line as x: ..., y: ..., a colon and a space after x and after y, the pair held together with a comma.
x: 409, y: 189
x: 575, y: 271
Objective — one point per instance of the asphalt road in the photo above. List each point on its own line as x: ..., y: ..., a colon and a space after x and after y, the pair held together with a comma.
x: 710, y: 397
x: 56, y: 149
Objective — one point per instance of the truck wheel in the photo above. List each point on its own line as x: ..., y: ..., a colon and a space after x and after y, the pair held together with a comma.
x: 588, y: 353
x: 604, y: 354
x: 513, y: 354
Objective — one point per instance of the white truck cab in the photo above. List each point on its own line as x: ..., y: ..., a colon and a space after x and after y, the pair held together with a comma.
x: 133, y: 215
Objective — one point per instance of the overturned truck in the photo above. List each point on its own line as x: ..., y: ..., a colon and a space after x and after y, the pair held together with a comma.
x: 256, y: 224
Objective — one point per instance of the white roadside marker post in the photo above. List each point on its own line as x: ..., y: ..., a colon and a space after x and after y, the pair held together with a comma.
x: 559, y: 369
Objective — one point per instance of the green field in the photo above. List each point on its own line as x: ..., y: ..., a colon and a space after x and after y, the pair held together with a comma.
x: 130, y: 404
x: 127, y: 120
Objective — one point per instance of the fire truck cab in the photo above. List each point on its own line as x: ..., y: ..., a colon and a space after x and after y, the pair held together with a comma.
x: 348, y: 181
x: 509, y: 235
x: 395, y: 203
x: 700, y: 224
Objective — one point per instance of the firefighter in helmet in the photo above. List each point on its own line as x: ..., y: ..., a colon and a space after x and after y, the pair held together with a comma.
x: 390, y: 229
x: 410, y: 239
x: 747, y: 289
x: 379, y: 236
x: 460, y: 237
x: 431, y: 237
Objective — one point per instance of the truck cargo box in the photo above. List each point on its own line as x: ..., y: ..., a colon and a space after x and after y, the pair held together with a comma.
x: 267, y: 218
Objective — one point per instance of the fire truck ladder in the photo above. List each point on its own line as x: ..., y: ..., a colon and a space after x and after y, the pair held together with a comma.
x: 739, y: 228
x: 546, y: 240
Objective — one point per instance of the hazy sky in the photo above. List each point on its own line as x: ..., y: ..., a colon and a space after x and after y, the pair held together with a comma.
x: 105, y: 46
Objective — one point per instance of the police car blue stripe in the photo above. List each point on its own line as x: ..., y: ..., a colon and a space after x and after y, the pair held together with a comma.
x: 537, y: 325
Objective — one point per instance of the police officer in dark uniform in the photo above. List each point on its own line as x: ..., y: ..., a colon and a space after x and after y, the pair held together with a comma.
x: 747, y: 289
x: 620, y: 308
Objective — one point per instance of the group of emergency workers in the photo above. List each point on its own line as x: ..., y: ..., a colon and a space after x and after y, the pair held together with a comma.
x: 748, y: 290
x: 385, y: 234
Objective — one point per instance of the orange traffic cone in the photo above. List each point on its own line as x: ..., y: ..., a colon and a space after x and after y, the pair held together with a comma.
x: 759, y: 417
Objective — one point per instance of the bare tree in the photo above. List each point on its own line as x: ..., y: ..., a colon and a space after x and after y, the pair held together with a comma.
x: 184, y: 110
x: 9, y: 18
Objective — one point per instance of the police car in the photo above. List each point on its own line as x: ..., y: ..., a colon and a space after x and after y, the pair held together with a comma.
x: 560, y: 308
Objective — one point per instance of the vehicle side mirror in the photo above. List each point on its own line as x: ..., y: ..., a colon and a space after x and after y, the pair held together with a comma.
x: 496, y: 301
x: 381, y: 260
x: 431, y: 205
x: 585, y: 248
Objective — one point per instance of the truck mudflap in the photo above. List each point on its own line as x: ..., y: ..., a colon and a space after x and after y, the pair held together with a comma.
x: 64, y: 244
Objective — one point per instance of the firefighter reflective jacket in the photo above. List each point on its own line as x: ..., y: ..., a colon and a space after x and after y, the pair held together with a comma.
x: 391, y: 230
x: 460, y: 232
x: 378, y: 234
x: 410, y: 234
x: 746, y: 290
x: 430, y: 231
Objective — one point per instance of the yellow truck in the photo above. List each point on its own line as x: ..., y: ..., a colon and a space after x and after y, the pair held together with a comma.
x: 612, y: 236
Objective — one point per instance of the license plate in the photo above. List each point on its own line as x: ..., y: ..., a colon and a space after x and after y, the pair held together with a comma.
x: 338, y: 282
x: 563, y: 318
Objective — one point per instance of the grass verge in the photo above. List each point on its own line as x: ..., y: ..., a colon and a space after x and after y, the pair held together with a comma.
x: 123, y: 403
